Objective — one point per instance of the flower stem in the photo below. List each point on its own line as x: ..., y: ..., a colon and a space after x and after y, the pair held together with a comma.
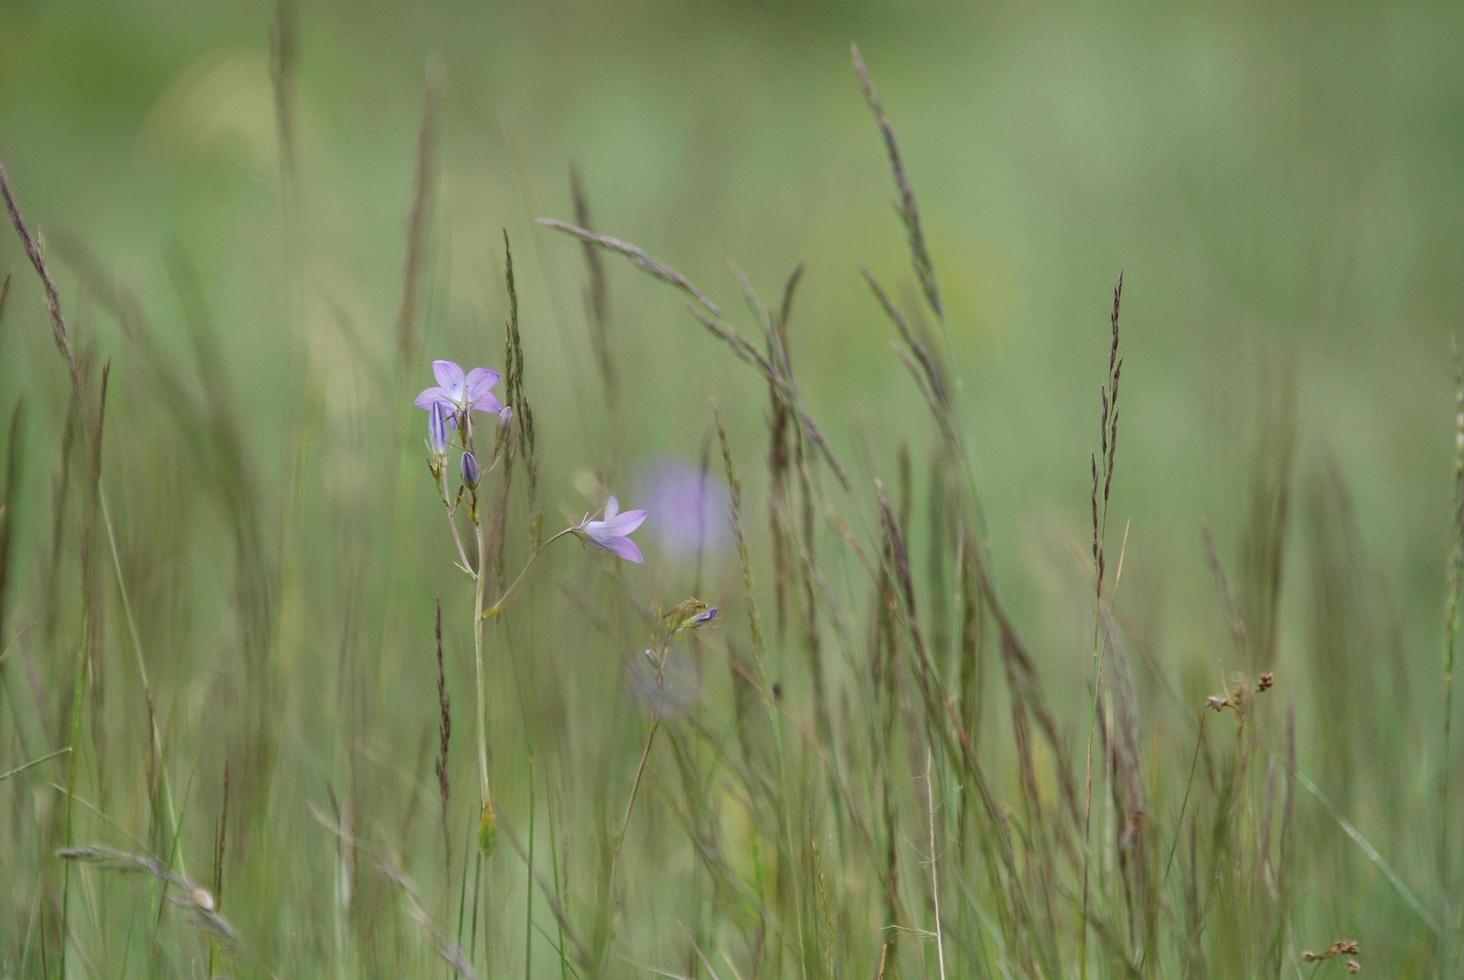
x: 498, y: 605
x: 478, y: 587
x: 457, y: 539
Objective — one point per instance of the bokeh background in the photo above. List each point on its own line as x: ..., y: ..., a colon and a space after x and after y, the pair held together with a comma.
x: 1280, y: 181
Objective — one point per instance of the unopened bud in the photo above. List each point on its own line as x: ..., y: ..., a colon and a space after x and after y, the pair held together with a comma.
x: 470, y: 470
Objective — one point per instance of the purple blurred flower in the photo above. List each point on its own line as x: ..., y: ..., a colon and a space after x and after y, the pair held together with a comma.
x: 470, y: 470
x: 690, y: 508
x: 458, y: 392
x: 612, y: 532
x: 437, y: 429
x: 702, y: 618
x: 505, y: 417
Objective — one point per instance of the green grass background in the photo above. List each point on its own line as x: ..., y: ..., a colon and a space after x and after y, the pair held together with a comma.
x: 1280, y: 181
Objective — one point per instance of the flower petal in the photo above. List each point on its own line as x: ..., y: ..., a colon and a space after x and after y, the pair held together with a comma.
x: 487, y: 403
x: 595, y: 531
x: 449, y: 374
x: 612, y: 507
x: 479, y: 381
x: 625, y: 548
x: 622, y: 524
x: 433, y: 396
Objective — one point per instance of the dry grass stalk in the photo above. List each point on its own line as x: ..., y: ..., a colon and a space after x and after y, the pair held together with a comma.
x: 284, y: 56
x: 521, y: 440
x: 1102, y: 466
x: 9, y: 511
x: 444, y: 734
x: 754, y: 621
x: 906, y: 207
x: 59, y: 331
x: 780, y: 434
x: 1342, y: 947
x: 596, y: 295
x: 1263, y: 544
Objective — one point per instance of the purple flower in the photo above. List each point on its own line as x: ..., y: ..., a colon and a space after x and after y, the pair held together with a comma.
x: 691, y: 508
x: 437, y: 429
x: 470, y: 470
x: 612, y: 533
x: 702, y: 618
x: 457, y: 392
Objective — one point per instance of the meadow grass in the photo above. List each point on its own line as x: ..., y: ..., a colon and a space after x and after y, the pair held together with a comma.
x: 241, y: 738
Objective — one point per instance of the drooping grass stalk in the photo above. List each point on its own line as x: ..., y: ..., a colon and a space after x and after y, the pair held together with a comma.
x: 33, y: 763
x: 709, y: 315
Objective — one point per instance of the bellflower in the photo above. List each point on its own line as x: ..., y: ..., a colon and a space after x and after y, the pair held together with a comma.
x: 612, y: 532
x: 457, y: 392
x: 470, y: 470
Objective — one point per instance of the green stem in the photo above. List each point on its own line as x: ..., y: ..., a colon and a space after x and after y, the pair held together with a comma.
x: 640, y: 770
x: 634, y: 791
x: 479, y: 582
x: 499, y: 604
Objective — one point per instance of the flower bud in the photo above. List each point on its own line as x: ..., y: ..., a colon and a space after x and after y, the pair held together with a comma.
x: 505, y: 417
x: 436, y: 430
x: 487, y: 829
x: 470, y: 470
x: 690, y: 614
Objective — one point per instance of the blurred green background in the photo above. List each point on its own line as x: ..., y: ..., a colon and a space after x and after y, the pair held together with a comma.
x: 1281, y: 182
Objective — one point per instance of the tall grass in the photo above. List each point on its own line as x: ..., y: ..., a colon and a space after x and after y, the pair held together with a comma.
x: 862, y: 764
